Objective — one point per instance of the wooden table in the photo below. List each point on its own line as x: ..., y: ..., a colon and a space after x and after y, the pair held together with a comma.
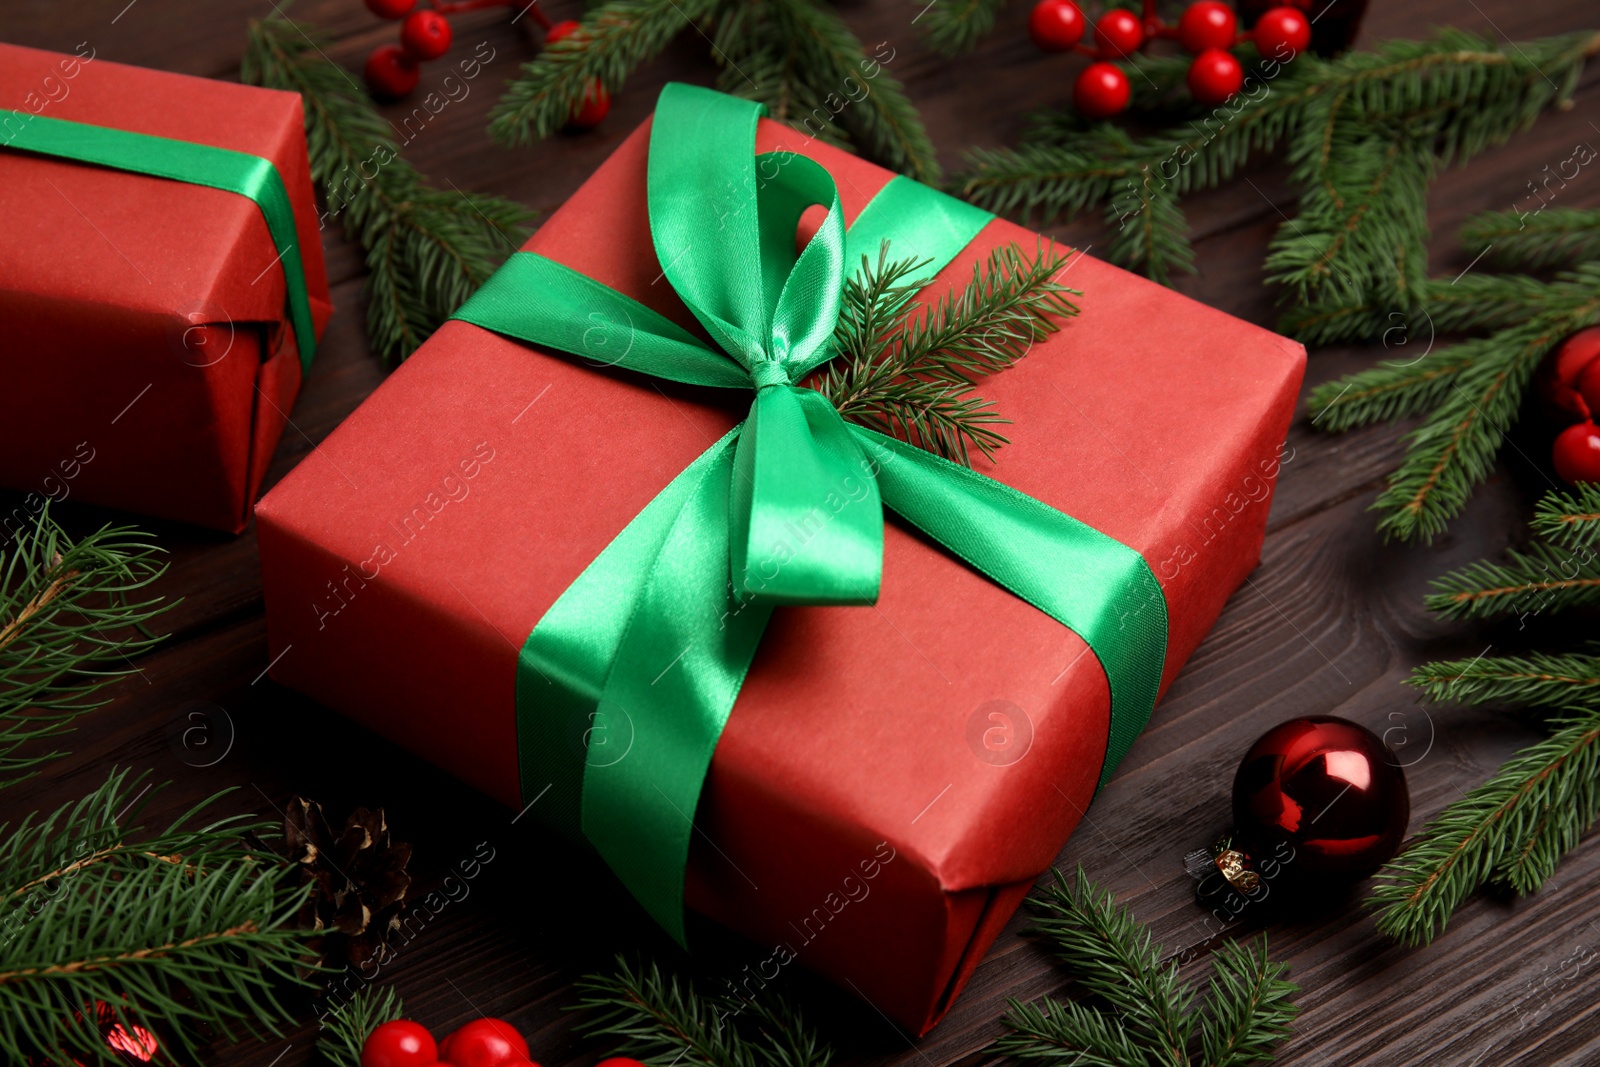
x: 1332, y: 621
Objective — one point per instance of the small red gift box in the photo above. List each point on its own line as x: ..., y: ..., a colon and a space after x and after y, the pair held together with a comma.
x: 148, y: 359
x: 893, y: 778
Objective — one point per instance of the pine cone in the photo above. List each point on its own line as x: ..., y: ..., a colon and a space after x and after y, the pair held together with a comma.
x: 359, y: 879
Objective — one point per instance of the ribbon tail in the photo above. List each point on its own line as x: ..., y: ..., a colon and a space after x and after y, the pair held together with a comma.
x: 1094, y: 585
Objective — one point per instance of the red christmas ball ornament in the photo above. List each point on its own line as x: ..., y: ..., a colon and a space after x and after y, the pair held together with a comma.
x: 425, y: 34
x: 1207, y: 24
x: 1118, y: 34
x: 1576, y: 453
x: 390, y: 73
x: 1214, y: 76
x: 483, y: 1043
x: 564, y: 28
x: 595, y: 107
x: 391, y: 9
x: 1575, y: 356
x: 1056, y: 25
x: 1100, y: 91
x: 1282, y: 33
x: 399, y: 1043
x: 1324, y: 796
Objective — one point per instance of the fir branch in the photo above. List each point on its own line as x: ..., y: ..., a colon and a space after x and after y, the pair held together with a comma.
x: 1052, y: 1031
x: 71, y: 619
x: 1537, y: 240
x: 344, y: 1031
x: 427, y: 249
x: 1466, y: 304
x: 185, y: 928
x: 910, y: 374
x: 1391, y: 390
x: 1112, y: 956
x: 1250, y: 1006
x: 662, y: 1019
x: 955, y: 26
x: 1544, y: 577
x: 1571, y: 520
x: 1535, y: 680
x: 1150, y: 233
x: 1511, y: 829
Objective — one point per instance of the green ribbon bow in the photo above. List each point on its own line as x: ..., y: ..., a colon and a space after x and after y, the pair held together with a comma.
x: 625, y: 684
x: 253, y: 177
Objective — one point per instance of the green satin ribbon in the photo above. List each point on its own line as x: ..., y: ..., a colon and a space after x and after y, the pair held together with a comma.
x: 625, y: 684
x: 250, y: 176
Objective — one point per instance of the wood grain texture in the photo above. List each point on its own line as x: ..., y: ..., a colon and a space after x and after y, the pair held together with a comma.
x: 1331, y: 622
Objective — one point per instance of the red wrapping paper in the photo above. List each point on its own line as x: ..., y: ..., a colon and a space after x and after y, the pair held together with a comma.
x: 148, y: 361
x: 850, y: 817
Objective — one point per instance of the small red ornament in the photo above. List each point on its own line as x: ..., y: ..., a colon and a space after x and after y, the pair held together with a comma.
x: 399, y: 1043
x: 390, y: 9
x: 1576, y: 354
x: 1214, y: 76
x: 1282, y: 33
x: 1588, y: 385
x: 390, y: 73
x: 1056, y: 25
x: 595, y: 107
x: 619, y: 1061
x: 1118, y: 35
x: 483, y: 1043
x: 1101, y: 90
x: 1207, y: 24
x: 1577, y: 453
x: 564, y: 28
x: 425, y: 34
x: 1329, y: 790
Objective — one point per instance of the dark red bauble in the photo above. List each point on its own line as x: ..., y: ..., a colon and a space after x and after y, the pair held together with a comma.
x: 1326, y: 788
x: 1207, y: 24
x: 1563, y: 370
x: 391, y: 9
x: 484, y: 1043
x: 390, y: 73
x: 564, y: 28
x: 1588, y: 385
x: 1101, y: 90
x: 399, y: 1043
x: 1576, y: 453
x: 1214, y: 76
x: 1282, y: 34
x: 425, y: 34
x: 1056, y: 25
x: 1118, y: 34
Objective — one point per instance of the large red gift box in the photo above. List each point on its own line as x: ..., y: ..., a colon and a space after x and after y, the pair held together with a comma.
x: 147, y: 357
x: 893, y: 778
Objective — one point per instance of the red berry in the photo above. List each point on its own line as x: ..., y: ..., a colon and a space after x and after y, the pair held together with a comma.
x: 596, y: 105
x: 1577, y: 453
x: 1576, y: 354
x: 1056, y: 25
x: 518, y: 1061
x: 1214, y: 76
x: 619, y: 1061
x: 1207, y: 24
x: 425, y: 34
x: 401, y: 1043
x: 1588, y: 385
x: 1282, y: 33
x: 390, y: 73
x: 561, y: 29
x: 390, y: 9
x: 1101, y: 90
x: 483, y: 1043
x: 1118, y: 34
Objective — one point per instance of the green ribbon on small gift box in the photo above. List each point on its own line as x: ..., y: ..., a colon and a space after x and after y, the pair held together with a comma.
x: 787, y: 508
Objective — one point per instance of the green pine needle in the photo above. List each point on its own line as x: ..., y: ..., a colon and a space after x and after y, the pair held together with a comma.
x: 1152, y: 1018
x: 344, y: 1031
x: 663, y: 1020
x: 910, y: 374
x: 1511, y: 830
x: 956, y: 26
x: 180, y: 929
x: 1543, y: 578
x: 71, y: 620
x: 1537, y: 240
x: 1537, y: 680
x: 1571, y: 520
x: 427, y: 249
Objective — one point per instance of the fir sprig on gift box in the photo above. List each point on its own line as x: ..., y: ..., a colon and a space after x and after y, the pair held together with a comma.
x: 427, y: 248
x: 796, y: 56
x: 1364, y: 134
x: 1512, y: 830
x: 71, y: 618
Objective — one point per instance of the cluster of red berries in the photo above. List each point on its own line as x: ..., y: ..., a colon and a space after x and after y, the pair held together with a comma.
x: 1573, y: 383
x: 1208, y: 28
x: 393, y: 70
x: 480, y: 1043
